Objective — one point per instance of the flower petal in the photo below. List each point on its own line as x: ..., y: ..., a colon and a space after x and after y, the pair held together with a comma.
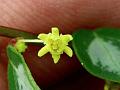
x: 55, y: 57
x: 55, y: 31
x: 43, y: 51
x: 68, y: 51
x: 43, y: 37
x: 66, y: 38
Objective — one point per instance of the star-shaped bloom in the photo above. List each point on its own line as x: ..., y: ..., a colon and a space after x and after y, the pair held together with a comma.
x: 55, y: 44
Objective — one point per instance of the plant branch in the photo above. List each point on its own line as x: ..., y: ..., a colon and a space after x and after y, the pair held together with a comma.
x: 112, y: 86
x: 13, y: 33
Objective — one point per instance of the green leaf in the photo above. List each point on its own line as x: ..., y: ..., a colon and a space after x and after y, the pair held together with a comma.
x: 99, y: 52
x: 19, y: 75
x: 13, y: 33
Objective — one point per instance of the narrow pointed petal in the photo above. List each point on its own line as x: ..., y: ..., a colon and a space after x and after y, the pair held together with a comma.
x: 43, y: 36
x: 66, y: 38
x: 68, y: 51
x: 55, y: 31
x: 43, y: 51
x: 55, y: 58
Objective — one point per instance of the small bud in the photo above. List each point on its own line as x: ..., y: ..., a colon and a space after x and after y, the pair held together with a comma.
x: 20, y: 46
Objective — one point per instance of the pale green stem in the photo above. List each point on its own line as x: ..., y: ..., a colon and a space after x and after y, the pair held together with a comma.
x: 31, y: 41
x: 109, y: 85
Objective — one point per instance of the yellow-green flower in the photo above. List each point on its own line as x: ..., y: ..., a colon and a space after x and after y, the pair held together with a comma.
x: 55, y: 44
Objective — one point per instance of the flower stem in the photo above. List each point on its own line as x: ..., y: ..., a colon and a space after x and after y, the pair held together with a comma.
x: 31, y: 41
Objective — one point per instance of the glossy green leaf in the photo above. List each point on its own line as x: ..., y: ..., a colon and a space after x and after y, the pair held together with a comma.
x: 19, y: 75
x: 99, y: 52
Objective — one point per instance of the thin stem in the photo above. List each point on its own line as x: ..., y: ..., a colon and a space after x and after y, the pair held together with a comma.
x: 13, y: 33
x: 111, y: 86
x: 31, y: 41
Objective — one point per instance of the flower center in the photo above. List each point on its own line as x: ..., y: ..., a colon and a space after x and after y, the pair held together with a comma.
x: 55, y: 45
